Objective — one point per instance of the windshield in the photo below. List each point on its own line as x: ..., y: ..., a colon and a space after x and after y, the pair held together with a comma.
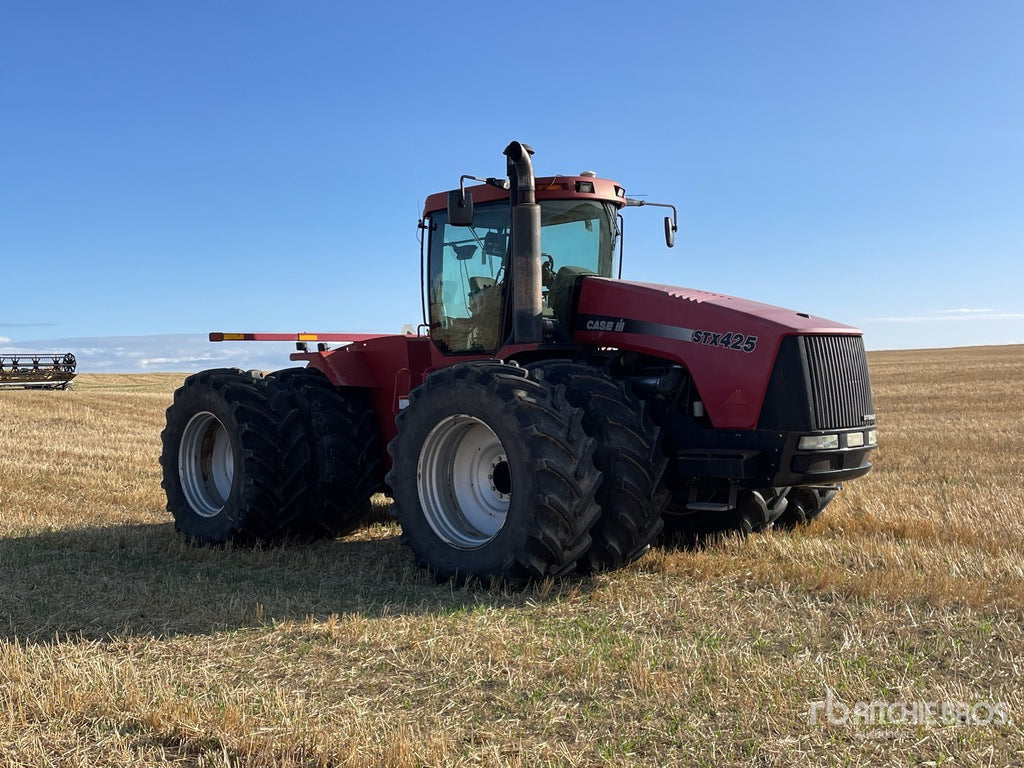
x: 467, y: 266
x: 580, y: 234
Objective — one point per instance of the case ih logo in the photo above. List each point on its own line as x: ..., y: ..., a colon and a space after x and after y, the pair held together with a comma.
x: 606, y: 325
x: 733, y: 340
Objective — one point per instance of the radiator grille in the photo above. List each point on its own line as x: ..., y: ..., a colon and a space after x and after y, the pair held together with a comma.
x: 840, y: 387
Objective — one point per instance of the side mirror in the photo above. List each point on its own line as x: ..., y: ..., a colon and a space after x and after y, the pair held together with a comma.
x: 670, y: 232
x: 460, y: 208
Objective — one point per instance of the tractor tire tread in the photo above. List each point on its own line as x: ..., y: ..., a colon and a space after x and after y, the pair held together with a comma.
x: 344, y: 466
x: 629, y: 455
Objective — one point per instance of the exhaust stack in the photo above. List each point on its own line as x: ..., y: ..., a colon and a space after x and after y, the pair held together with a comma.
x: 527, y: 325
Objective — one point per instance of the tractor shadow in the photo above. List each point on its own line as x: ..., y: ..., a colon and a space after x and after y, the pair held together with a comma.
x: 120, y: 581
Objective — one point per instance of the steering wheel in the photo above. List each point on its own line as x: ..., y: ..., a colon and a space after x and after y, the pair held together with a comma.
x: 547, y: 269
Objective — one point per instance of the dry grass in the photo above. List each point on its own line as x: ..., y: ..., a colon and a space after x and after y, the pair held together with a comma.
x: 120, y: 646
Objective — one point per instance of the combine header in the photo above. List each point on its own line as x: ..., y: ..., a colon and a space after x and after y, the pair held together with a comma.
x: 32, y: 371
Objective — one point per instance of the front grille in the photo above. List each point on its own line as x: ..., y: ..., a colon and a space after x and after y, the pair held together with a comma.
x: 840, y: 387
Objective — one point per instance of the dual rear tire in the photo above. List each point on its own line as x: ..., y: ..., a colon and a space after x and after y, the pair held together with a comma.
x: 250, y: 459
x: 229, y: 461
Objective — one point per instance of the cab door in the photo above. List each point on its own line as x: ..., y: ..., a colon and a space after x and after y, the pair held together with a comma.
x: 466, y: 281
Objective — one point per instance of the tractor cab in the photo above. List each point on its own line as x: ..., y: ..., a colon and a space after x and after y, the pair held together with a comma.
x: 503, y: 259
x: 468, y: 267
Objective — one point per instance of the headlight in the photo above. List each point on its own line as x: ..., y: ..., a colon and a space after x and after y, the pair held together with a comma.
x: 854, y: 439
x: 872, y: 437
x: 818, y: 443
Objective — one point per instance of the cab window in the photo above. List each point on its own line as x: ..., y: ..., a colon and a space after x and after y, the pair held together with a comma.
x: 466, y: 280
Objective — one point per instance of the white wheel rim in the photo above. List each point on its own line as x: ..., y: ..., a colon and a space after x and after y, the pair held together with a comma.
x: 206, y: 464
x: 464, y: 482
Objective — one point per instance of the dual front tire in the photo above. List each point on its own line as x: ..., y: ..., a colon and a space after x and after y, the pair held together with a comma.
x: 516, y: 474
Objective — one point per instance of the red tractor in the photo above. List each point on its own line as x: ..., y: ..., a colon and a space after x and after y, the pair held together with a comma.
x: 548, y: 415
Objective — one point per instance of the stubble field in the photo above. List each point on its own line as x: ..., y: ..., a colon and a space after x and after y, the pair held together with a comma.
x: 887, y: 633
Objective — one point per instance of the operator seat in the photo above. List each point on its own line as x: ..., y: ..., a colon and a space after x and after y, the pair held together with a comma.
x: 479, y: 284
x: 562, y: 290
x: 485, y: 306
x: 452, y: 324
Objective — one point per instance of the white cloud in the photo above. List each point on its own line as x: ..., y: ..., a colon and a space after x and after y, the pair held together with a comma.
x: 162, y: 363
x: 4, y: 340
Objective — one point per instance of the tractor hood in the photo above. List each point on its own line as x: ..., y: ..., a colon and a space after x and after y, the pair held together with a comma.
x: 728, y: 344
x: 683, y: 309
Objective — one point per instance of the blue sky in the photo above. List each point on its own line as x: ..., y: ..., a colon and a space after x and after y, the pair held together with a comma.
x: 174, y: 168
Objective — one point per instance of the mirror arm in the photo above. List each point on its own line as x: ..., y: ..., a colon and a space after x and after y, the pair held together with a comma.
x: 499, y: 183
x: 671, y: 223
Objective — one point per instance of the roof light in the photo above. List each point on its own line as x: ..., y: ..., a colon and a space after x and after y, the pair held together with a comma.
x: 585, y: 186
